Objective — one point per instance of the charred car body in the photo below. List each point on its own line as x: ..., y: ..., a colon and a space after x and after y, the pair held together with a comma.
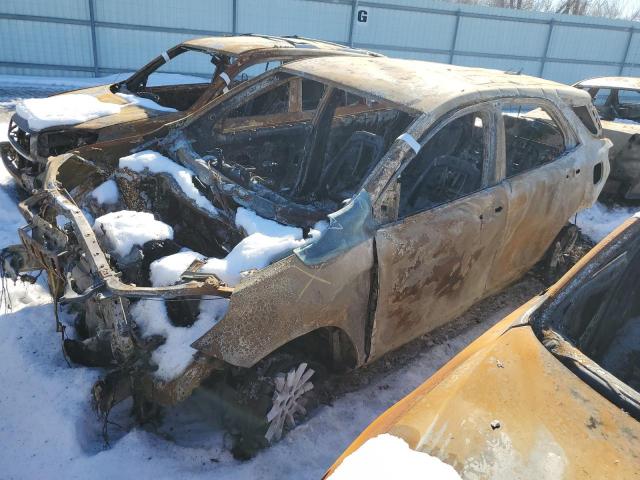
x: 152, y: 96
x: 551, y: 391
x: 441, y: 185
x: 617, y: 100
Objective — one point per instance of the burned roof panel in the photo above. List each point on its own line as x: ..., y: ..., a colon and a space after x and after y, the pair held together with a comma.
x: 629, y: 83
x: 425, y: 86
x: 237, y: 45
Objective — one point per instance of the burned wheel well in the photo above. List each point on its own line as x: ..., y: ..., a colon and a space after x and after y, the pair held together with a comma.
x: 331, y: 346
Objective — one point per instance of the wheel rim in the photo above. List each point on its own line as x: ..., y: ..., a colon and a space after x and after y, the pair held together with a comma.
x: 288, y: 396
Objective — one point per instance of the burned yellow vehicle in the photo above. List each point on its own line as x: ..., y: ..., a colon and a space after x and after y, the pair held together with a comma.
x: 314, y: 218
x: 617, y: 100
x: 550, y: 392
x: 171, y: 86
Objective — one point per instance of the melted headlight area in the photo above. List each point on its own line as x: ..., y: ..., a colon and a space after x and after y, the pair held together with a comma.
x: 59, y: 142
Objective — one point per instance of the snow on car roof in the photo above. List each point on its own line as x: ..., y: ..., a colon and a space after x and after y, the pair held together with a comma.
x: 425, y: 86
x: 632, y: 83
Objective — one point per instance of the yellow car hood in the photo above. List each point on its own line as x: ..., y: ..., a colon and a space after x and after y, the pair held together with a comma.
x: 511, y: 410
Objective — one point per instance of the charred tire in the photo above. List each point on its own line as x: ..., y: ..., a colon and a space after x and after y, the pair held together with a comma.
x: 558, y: 259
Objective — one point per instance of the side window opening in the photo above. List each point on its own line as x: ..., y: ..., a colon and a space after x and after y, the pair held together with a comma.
x: 600, y: 96
x: 312, y: 92
x: 449, y: 166
x: 255, y: 70
x: 277, y: 140
x: 628, y: 98
x: 587, y: 119
x: 532, y: 137
x: 271, y: 102
x: 361, y: 131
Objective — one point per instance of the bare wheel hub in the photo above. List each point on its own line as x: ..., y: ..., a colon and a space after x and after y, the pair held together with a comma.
x: 288, y: 400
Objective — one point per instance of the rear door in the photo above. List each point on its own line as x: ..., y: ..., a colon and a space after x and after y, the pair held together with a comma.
x: 433, y: 260
x: 545, y: 175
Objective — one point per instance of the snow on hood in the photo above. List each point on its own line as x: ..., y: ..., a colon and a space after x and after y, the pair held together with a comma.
x: 75, y: 108
x: 157, y: 163
x: 125, y: 229
x: 68, y: 109
x: 144, y: 102
x: 387, y: 456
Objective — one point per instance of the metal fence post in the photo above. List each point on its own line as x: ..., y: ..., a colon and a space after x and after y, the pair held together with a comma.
x: 234, y: 27
x: 626, y: 51
x: 354, y: 10
x: 94, y: 43
x: 454, y: 40
x: 543, y: 60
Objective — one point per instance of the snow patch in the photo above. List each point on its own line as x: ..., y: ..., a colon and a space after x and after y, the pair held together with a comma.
x: 252, y: 223
x: 267, y: 241
x: 4, y: 132
x: 626, y: 121
x: 175, y: 355
x: 599, y: 220
x: 157, y: 163
x: 387, y: 456
x: 253, y: 253
x: 68, y: 109
x: 167, y: 270
x: 144, y: 102
x: 106, y: 193
x: 124, y: 229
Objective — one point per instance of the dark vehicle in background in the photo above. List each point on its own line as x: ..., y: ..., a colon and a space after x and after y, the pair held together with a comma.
x: 162, y: 91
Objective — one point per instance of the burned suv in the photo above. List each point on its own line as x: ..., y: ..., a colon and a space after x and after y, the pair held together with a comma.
x: 172, y: 85
x: 316, y: 217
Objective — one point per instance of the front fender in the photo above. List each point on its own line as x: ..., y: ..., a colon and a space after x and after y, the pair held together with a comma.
x: 289, y: 299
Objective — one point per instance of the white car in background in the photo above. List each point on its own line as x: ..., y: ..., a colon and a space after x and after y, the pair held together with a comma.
x: 617, y: 100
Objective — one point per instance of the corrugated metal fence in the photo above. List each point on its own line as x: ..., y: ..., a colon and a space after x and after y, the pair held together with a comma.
x: 98, y: 37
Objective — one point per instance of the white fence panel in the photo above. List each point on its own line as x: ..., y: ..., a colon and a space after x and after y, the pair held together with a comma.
x: 105, y: 36
x: 328, y: 21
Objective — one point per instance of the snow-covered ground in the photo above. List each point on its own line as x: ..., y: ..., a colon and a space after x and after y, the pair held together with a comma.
x: 47, y: 429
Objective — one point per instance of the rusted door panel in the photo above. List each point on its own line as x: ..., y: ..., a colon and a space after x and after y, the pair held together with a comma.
x: 434, y: 265
x: 541, y: 201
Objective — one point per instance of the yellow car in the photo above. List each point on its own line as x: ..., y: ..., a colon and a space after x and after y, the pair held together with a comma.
x: 551, y: 391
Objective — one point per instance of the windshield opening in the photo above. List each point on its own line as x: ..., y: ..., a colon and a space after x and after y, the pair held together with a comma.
x: 598, y: 314
x: 176, y: 79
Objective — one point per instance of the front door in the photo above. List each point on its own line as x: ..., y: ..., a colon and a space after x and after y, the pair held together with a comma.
x: 433, y: 261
